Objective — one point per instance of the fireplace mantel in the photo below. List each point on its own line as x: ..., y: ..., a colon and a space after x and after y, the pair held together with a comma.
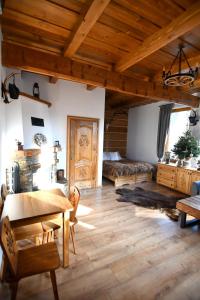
x: 27, y: 153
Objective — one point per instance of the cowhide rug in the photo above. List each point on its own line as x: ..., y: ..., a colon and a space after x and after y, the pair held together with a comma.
x: 150, y: 199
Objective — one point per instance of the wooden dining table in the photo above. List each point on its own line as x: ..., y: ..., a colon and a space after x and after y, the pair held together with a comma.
x: 40, y: 206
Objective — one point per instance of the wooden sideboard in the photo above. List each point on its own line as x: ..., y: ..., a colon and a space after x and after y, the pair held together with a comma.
x: 177, y: 178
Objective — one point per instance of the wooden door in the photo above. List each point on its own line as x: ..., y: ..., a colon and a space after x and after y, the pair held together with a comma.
x: 183, y: 180
x: 82, y: 151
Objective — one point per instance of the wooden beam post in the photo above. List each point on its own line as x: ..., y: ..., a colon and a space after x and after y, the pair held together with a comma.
x: 53, y: 79
x: 64, y: 68
x: 90, y: 87
x: 181, y: 25
x: 92, y: 15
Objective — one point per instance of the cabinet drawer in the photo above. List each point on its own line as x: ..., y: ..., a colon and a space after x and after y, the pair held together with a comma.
x: 166, y: 182
x: 166, y: 168
x: 166, y: 175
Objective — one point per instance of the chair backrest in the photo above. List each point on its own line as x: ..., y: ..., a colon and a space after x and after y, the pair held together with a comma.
x: 4, y: 192
x: 74, y: 197
x: 1, y: 206
x: 8, y: 244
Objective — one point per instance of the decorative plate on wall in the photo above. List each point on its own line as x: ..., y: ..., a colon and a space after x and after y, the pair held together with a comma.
x: 40, y: 139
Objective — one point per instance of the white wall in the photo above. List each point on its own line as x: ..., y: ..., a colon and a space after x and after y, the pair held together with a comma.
x: 10, y: 125
x: 68, y: 99
x: 3, y: 149
x: 2, y: 141
x: 142, y: 132
x: 35, y: 109
x: 14, y: 128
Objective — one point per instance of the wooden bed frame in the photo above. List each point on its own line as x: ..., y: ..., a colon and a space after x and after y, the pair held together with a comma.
x: 121, y: 180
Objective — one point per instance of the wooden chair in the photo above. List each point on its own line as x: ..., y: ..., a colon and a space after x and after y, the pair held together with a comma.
x: 1, y: 206
x: 74, y: 197
x: 4, y: 192
x: 27, y: 262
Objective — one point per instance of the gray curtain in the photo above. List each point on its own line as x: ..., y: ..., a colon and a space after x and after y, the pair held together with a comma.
x: 163, y: 127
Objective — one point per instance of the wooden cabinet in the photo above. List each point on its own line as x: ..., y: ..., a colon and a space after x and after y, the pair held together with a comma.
x: 177, y: 178
x: 183, y: 180
x: 166, y: 176
x: 195, y: 176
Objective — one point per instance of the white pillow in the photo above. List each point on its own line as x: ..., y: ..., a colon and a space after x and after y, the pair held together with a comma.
x: 106, y: 156
x: 115, y: 156
x: 119, y: 156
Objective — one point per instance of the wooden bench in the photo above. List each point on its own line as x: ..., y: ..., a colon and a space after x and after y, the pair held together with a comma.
x: 190, y: 206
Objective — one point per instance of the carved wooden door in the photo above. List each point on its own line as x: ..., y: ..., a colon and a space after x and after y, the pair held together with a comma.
x: 82, y: 151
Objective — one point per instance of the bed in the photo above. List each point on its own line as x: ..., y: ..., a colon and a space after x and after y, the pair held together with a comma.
x: 125, y: 171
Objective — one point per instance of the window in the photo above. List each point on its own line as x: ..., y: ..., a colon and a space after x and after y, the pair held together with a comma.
x: 179, y: 123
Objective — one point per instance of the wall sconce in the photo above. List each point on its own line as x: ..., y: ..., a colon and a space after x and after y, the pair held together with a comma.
x: 193, y: 118
x: 12, y: 90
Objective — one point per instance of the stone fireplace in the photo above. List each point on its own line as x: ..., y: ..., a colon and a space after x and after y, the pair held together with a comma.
x: 29, y: 164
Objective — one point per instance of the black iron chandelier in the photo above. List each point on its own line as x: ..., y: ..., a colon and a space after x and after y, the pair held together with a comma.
x: 180, y: 77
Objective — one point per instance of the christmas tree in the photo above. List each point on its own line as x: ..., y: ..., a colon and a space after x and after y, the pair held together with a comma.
x: 187, y: 146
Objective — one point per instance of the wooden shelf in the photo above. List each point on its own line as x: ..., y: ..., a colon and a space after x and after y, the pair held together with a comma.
x: 26, y: 153
x: 36, y: 99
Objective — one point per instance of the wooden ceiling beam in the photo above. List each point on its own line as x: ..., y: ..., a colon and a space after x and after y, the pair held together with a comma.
x: 92, y: 15
x: 45, y: 48
x: 117, y: 99
x: 113, y: 97
x: 130, y: 104
x: 141, y: 103
x: 194, y: 89
x: 179, y: 26
x: 13, y: 19
x: 64, y: 68
x: 32, y: 45
x: 33, y: 25
x: 91, y: 61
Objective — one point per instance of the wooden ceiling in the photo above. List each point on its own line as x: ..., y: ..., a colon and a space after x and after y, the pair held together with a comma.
x: 121, y: 45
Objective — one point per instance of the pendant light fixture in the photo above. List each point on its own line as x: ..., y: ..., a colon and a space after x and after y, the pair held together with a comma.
x: 180, y: 77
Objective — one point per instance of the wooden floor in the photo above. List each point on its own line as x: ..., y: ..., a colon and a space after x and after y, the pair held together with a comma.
x: 124, y: 252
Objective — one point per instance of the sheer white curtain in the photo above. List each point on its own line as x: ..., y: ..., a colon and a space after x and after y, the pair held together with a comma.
x: 179, y: 123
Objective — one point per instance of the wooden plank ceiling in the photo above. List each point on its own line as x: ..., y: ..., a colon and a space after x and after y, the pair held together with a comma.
x: 121, y: 45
